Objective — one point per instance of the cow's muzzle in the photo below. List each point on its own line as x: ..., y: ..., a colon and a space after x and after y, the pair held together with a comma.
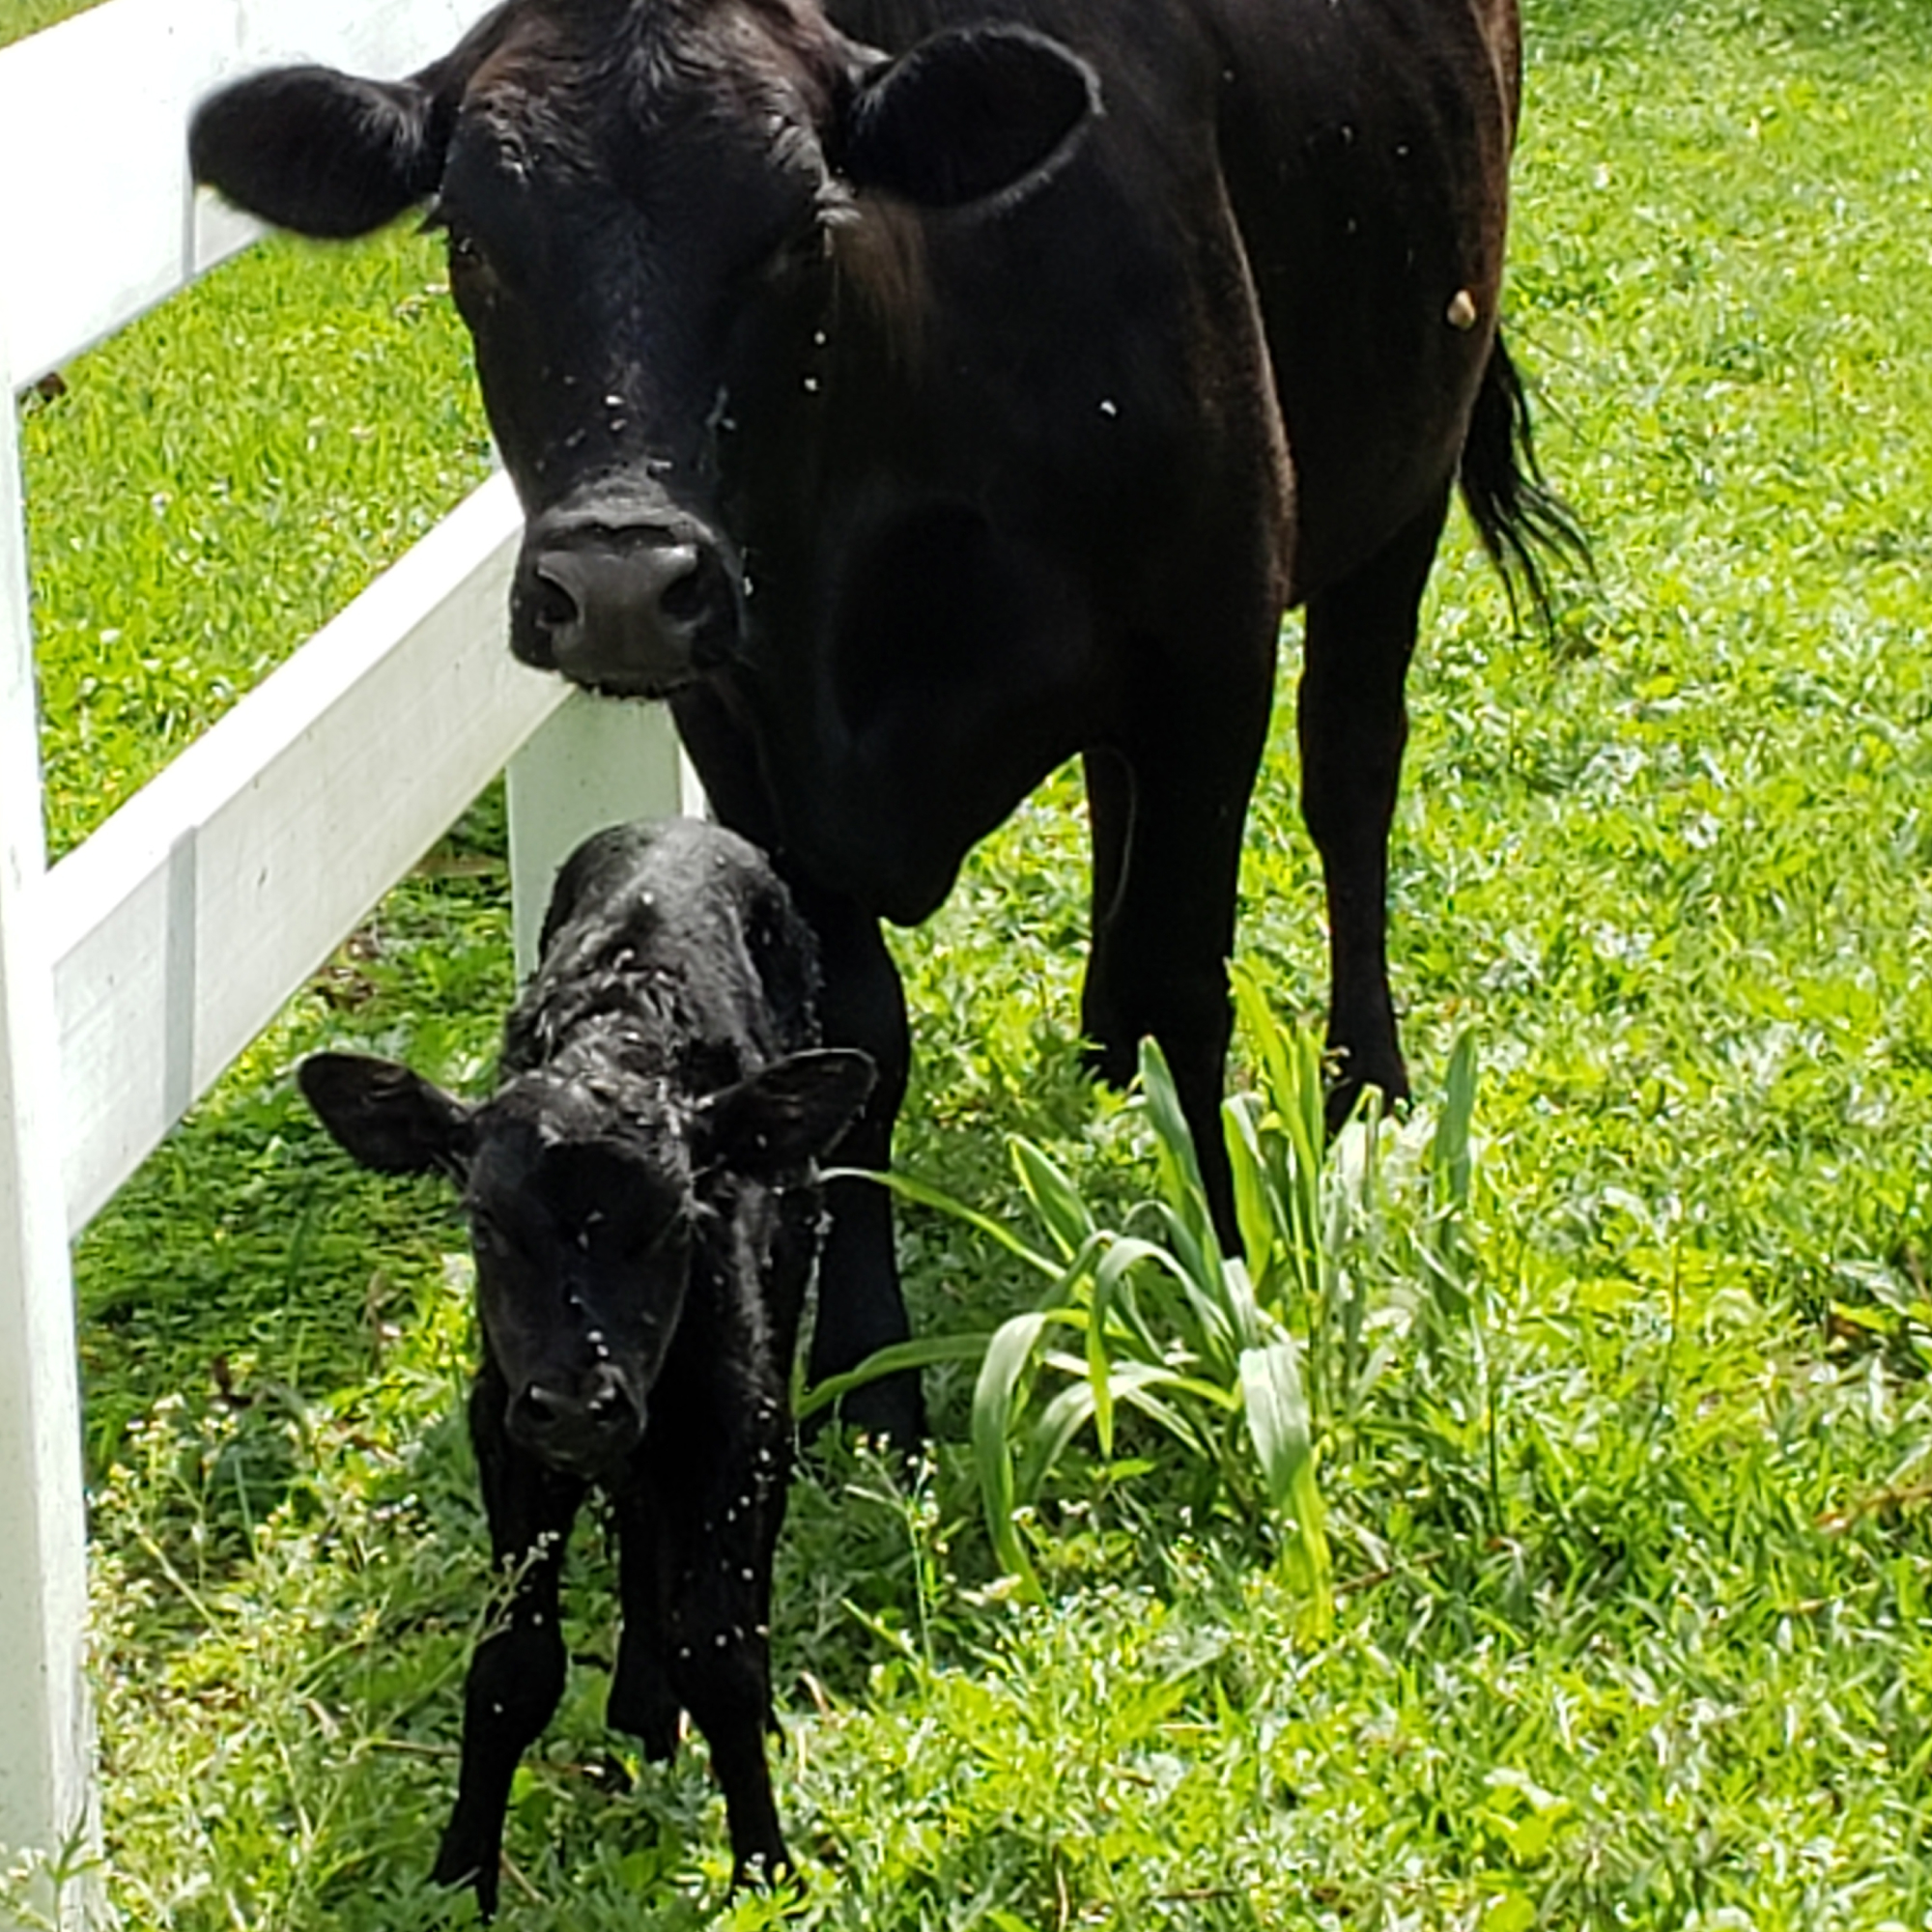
x: 638, y: 610
x: 585, y: 1425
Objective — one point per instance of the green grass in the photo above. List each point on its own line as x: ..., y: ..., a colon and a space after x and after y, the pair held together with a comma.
x: 307, y: 406
x: 20, y: 17
x: 1630, y: 1592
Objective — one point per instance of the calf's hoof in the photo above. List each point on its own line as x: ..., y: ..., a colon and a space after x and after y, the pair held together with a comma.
x: 769, y: 1870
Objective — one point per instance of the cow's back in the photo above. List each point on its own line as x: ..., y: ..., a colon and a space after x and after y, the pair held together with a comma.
x: 1338, y: 172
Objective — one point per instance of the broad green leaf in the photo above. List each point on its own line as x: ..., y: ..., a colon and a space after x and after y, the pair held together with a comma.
x: 922, y: 1195
x: 1276, y: 1413
x: 918, y: 1353
x: 1509, y: 1911
x: 1179, y: 1165
x: 1062, y: 1214
x: 995, y: 1404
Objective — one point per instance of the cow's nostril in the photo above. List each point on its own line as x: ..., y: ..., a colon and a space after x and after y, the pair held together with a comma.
x: 683, y: 599
x: 555, y: 607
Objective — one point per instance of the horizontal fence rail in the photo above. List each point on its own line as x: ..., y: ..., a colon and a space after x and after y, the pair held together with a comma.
x: 178, y: 929
x: 98, y: 220
x: 133, y: 973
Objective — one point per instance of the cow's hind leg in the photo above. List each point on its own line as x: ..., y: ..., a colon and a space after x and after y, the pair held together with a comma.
x: 1168, y: 851
x: 1354, y: 723
x: 516, y: 1677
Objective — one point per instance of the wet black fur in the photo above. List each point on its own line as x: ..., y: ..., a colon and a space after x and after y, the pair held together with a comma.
x: 642, y: 1190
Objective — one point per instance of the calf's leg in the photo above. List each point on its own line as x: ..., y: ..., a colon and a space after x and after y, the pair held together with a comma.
x: 642, y: 1699
x: 697, y: 1581
x: 516, y: 1676
x: 1353, y: 724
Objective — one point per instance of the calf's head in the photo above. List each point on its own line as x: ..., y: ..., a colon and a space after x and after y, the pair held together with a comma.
x: 641, y: 202
x: 585, y: 1195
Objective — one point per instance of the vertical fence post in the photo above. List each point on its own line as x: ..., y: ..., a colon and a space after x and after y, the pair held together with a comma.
x: 595, y: 761
x: 45, y: 1742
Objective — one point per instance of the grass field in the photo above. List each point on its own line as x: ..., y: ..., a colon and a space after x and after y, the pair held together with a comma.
x: 1630, y: 1565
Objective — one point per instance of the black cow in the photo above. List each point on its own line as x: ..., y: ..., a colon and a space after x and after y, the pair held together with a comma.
x: 645, y: 1219
x: 919, y: 392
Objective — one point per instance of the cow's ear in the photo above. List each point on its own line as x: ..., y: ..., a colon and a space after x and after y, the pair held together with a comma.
x: 387, y: 1116
x: 318, y: 152
x: 785, y: 1116
x: 968, y: 113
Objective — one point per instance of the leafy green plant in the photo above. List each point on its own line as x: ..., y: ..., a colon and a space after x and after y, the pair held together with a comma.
x: 1242, y: 1362
x: 1164, y: 1325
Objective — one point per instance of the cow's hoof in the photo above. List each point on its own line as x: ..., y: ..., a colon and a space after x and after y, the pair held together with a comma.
x: 1344, y: 1095
x: 458, y: 1866
x: 1112, y: 1064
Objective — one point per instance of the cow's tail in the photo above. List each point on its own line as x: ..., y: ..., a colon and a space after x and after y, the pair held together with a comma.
x: 1525, y: 526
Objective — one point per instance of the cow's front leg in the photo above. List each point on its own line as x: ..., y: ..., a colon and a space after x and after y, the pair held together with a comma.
x: 861, y: 1307
x: 861, y: 1004
x: 1169, y: 809
x: 516, y: 1676
x: 1354, y: 725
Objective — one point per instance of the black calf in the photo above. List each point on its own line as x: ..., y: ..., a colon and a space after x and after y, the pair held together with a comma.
x: 646, y: 1219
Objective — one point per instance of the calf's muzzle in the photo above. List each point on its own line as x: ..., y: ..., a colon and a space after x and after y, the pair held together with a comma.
x: 583, y: 1424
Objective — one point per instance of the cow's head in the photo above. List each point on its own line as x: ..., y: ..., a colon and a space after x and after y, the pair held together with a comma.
x: 639, y: 201
x: 585, y: 1195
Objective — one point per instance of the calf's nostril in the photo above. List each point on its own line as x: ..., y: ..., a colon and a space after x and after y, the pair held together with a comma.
x: 539, y: 1408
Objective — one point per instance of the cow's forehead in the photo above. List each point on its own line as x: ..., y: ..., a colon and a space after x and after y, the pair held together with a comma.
x: 563, y: 75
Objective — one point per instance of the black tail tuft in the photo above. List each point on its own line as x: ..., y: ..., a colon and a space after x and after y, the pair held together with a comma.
x: 1525, y: 526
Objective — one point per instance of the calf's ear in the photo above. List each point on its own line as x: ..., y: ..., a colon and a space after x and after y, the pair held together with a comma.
x: 385, y: 1117
x: 785, y: 1116
x: 966, y: 114
x: 320, y: 152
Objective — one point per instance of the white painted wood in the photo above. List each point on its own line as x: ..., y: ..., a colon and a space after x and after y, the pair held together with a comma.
x: 132, y: 973
x: 98, y: 219
x: 46, y: 1750
x: 183, y: 924
x: 595, y: 762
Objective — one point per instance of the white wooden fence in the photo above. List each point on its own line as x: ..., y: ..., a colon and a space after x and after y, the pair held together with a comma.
x: 134, y: 971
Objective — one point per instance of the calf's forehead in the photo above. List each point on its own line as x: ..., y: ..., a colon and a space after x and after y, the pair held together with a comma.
x: 568, y: 1157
